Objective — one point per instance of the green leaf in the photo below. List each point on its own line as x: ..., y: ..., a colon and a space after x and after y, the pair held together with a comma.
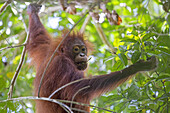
x: 164, y: 41
x: 147, y: 36
x: 163, y: 77
x: 121, y: 106
x: 164, y: 96
x: 147, y: 43
x: 134, y: 33
x: 2, y: 82
x: 136, y: 46
x: 123, y: 58
x: 129, y: 40
x: 108, y: 59
x: 135, y: 56
x: 164, y: 50
x: 133, y: 92
x: 118, y: 65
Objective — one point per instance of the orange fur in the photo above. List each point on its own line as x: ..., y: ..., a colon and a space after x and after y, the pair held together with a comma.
x: 62, y: 69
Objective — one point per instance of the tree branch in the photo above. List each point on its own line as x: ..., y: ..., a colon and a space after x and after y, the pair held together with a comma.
x: 5, y: 5
x: 12, y: 47
x: 57, y: 101
x: 103, y: 37
x: 84, y: 24
x: 77, y: 93
x: 17, y: 70
x: 40, y: 1
x: 64, y: 87
x: 42, y: 98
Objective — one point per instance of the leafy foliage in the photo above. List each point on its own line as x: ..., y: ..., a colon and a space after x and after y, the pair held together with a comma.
x: 145, y: 31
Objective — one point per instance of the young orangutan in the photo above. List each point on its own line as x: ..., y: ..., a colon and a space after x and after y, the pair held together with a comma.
x: 68, y: 65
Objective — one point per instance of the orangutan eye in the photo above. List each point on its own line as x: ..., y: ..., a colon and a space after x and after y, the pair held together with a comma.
x: 76, y: 49
x: 83, y: 49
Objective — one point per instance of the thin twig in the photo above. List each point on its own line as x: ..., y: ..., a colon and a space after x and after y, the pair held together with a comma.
x: 17, y: 70
x: 6, y: 40
x: 58, y: 47
x: 85, y: 23
x: 5, y: 5
x: 23, y: 21
x: 79, y: 110
x: 40, y: 2
x: 82, y: 104
x: 65, y: 86
x: 12, y: 47
x: 77, y: 93
x: 103, y: 37
x: 144, y: 10
x: 160, y: 34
